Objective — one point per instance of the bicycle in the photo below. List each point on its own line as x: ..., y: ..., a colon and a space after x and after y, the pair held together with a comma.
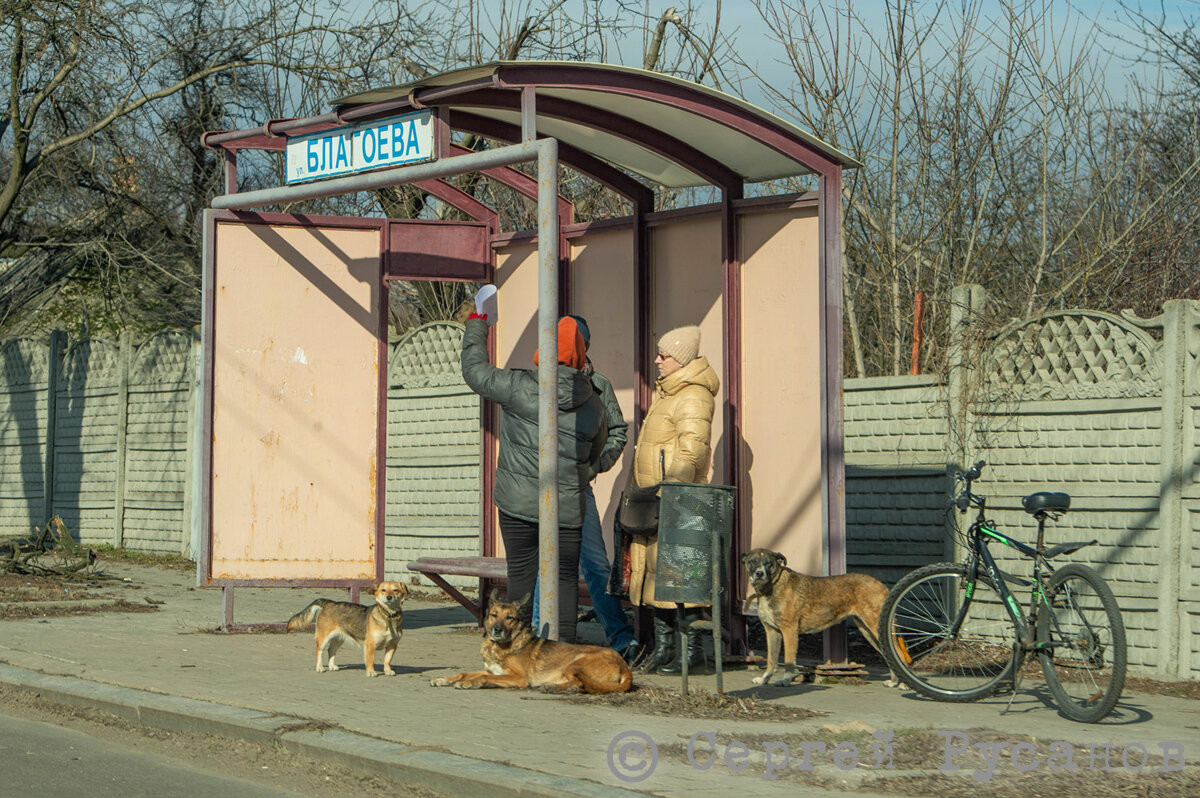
x: 952, y: 631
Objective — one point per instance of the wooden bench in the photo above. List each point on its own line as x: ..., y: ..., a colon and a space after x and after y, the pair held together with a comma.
x: 491, y: 571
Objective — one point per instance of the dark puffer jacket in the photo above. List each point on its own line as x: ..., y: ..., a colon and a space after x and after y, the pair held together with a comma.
x: 582, y: 431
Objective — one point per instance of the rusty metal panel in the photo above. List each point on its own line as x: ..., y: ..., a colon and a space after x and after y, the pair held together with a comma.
x: 296, y: 365
x: 438, y: 250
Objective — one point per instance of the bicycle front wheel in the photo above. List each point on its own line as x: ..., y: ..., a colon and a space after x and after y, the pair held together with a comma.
x: 916, y: 632
x: 1082, y: 643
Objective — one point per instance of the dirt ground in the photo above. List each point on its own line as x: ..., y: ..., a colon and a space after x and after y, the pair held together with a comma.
x: 23, y: 596
x: 235, y: 758
x: 652, y: 700
x: 911, y: 763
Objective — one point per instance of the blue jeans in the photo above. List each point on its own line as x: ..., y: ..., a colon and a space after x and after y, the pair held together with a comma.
x: 596, y: 569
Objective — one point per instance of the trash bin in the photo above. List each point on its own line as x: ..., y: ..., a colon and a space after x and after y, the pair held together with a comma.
x: 689, y: 518
x: 695, y: 530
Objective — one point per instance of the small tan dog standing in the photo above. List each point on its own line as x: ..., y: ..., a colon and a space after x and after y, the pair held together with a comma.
x: 515, y: 658
x: 377, y: 626
x: 792, y: 604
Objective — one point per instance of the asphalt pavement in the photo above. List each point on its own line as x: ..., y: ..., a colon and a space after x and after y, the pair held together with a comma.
x: 170, y: 669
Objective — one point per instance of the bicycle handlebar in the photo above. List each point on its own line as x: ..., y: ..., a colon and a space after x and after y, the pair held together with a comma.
x: 965, y: 499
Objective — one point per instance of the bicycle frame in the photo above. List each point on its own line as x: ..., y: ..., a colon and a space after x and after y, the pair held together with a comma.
x: 980, y: 534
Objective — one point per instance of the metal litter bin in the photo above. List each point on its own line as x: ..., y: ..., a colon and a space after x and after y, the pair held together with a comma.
x: 695, y: 531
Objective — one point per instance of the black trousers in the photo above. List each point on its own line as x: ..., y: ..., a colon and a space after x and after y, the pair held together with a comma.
x: 521, y: 552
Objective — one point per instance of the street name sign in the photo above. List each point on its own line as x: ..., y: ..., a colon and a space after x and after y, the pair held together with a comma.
x: 393, y: 141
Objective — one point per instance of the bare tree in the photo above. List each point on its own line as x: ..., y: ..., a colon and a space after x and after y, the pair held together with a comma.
x: 101, y: 169
x: 990, y: 150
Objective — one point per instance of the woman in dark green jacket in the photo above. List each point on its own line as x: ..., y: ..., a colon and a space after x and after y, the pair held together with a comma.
x: 582, y: 430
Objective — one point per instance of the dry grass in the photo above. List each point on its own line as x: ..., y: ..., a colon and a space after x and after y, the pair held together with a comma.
x: 700, y: 704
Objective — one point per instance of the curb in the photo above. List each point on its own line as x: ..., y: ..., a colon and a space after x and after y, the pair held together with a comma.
x: 423, y: 766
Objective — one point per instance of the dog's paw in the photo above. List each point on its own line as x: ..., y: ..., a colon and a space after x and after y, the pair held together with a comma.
x: 371, y: 673
x: 388, y: 672
x: 467, y: 685
x: 440, y: 681
x: 760, y: 679
x: 892, y: 682
x: 332, y: 667
x: 783, y: 680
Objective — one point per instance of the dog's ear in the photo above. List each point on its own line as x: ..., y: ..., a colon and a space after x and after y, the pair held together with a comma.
x: 372, y: 589
x: 494, y: 598
x: 403, y: 590
x: 782, y: 560
x: 745, y: 556
x: 525, y: 600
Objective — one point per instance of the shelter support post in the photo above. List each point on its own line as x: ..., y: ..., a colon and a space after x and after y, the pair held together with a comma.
x: 833, y: 482
x: 548, y: 236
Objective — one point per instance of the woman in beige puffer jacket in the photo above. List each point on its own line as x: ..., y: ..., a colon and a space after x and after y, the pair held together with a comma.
x: 675, y: 437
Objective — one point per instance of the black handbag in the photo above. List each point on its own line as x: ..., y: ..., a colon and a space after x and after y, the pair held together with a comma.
x: 638, y: 512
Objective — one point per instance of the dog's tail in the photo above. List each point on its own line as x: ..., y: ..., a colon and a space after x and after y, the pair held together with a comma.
x: 307, y: 615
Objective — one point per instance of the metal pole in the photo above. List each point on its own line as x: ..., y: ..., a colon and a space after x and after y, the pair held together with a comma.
x: 681, y: 624
x: 547, y: 160
x: 502, y: 156
x: 718, y: 602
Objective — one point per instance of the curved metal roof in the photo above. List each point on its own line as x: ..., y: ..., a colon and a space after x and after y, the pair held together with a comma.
x: 669, y: 131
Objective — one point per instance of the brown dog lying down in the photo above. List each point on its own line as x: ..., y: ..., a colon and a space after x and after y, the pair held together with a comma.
x: 792, y: 604
x: 514, y: 657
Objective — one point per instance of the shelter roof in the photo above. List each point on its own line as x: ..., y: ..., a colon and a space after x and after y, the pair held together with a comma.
x: 632, y: 118
x: 610, y: 120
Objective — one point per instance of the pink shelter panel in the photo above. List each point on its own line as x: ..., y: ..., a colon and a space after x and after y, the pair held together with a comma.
x: 296, y: 403
x: 602, y: 292
x: 516, y: 331
x: 782, y: 421
x: 687, y: 287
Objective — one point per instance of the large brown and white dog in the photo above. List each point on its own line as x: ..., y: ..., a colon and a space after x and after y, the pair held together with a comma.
x: 514, y: 657
x: 792, y: 604
x: 377, y: 626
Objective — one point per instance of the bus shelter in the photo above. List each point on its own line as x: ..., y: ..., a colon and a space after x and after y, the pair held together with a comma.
x: 295, y: 305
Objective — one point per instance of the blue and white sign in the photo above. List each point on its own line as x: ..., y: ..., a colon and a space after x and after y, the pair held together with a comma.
x: 373, y: 145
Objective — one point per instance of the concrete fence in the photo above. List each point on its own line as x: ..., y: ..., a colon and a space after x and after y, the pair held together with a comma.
x: 1103, y: 407
x: 100, y: 433
x: 1099, y: 406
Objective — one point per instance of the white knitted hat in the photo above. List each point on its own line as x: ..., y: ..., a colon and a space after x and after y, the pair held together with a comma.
x: 682, y: 343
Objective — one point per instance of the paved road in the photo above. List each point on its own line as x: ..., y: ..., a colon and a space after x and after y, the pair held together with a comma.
x: 41, y: 759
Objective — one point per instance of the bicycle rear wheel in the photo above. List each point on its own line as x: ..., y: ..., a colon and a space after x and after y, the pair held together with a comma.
x: 915, y: 634
x: 1083, y: 643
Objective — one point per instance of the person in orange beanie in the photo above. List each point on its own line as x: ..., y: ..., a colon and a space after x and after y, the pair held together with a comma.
x: 571, y: 350
x: 583, y: 430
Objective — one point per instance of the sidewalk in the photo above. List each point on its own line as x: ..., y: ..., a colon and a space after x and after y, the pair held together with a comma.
x: 166, y: 669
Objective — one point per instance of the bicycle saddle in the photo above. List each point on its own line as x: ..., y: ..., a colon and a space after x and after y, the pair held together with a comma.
x: 1036, y: 503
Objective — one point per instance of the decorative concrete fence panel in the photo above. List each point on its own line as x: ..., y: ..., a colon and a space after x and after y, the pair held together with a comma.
x: 156, y: 494
x: 24, y: 409
x: 87, y: 413
x: 434, y: 476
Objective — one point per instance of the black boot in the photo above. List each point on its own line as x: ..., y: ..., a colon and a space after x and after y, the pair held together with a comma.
x: 664, y: 641
x: 695, y: 648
